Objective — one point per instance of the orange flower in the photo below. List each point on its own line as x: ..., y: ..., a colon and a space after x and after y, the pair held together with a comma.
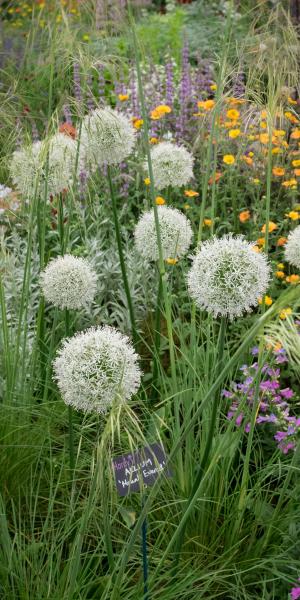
x: 295, y: 135
x: 68, y: 129
x: 297, y: 172
x: 291, y: 100
x: 215, y: 177
x: 244, y: 216
x: 280, y: 274
x: 191, y: 193
x: 160, y: 201
x: 281, y: 241
x: 206, y: 104
x: 123, y: 97
x: 233, y: 114
x: 261, y: 242
x: 247, y: 159
x: 279, y: 132
x: 278, y: 171
x: 267, y: 300
x: 276, y: 150
x: 272, y: 227
x: 292, y: 279
x: 137, y: 123
x: 207, y: 222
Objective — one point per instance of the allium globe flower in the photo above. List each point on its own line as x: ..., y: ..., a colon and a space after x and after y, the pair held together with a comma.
x: 29, y: 166
x: 292, y: 248
x: 107, y: 137
x: 172, y: 165
x: 175, y: 233
x: 227, y: 276
x: 95, y: 368
x: 68, y: 282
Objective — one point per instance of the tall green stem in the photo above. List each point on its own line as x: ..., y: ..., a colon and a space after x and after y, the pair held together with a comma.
x: 70, y: 410
x: 121, y: 256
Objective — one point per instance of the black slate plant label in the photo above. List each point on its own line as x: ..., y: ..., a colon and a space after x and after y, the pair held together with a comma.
x: 137, y: 469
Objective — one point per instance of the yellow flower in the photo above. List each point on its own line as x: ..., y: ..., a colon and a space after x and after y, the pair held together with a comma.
x: 280, y: 266
x: 285, y: 313
x: 244, y: 216
x: 159, y: 111
x: 293, y: 214
x: 296, y: 163
x: 292, y: 279
x: 233, y: 114
x: 255, y: 180
x: 247, y: 159
x: 272, y: 227
x: 191, y: 193
x: 279, y: 132
x: 228, y: 159
x: 137, y: 123
x: 159, y: 200
x: 123, y: 97
x: 267, y: 300
x: 280, y: 274
x: 278, y: 171
x: 276, y: 150
x: 153, y: 140
x: 291, y: 101
x: 292, y: 183
x: 207, y: 222
x: 86, y: 37
x: 213, y: 87
x: 171, y: 261
x: 147, y: 181
x: 261, y: 242
x: 263, y: 125
x: 186, y: 206
x: 256, y: 249
x: 206, y: 104
x: 234, y: 133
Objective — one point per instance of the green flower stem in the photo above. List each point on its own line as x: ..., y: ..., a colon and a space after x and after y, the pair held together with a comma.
x: 121, y: 256
x: 70, y: 410
x: 156, y: 358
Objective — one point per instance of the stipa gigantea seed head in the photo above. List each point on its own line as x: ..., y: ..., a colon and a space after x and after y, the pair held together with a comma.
x: 292, y: 248
x: 227, y: 277
x: 97, y: 368
x: 107, y: 137
x: 68, y: 282
x: 175, y: 233
x: 49, y: 164
x: 172, y: 165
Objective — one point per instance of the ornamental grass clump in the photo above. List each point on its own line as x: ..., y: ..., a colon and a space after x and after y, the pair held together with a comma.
x: 46, y: 166
x: 227, y: 276
x: 107, y: 137
x: 96, y: 368
x: 175, y: 234
x: 69, y: 282
x: 292, y: 248
x: 172, y: 165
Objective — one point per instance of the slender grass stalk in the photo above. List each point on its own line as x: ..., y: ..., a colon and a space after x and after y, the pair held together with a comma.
x: 209, y: 441
x: 157, y: 336
x: 121, y: 256
x: 70, y: 410
x: 145, y: 555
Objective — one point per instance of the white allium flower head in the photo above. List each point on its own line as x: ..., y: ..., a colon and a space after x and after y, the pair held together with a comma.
x: 95, y: 368
x: 175, y: 233
x: 292, y: 248
x: 172, y: 165
x: 69, y: 282
x: 28, y: 166
x: 227, y: 276
x: 107, y: 137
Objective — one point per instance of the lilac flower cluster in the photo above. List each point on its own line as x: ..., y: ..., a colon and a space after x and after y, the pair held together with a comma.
x: 295, y: 592
x: 274, y: 405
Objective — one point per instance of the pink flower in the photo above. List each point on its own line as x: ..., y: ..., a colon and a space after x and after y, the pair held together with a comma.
x: 295, y: 593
